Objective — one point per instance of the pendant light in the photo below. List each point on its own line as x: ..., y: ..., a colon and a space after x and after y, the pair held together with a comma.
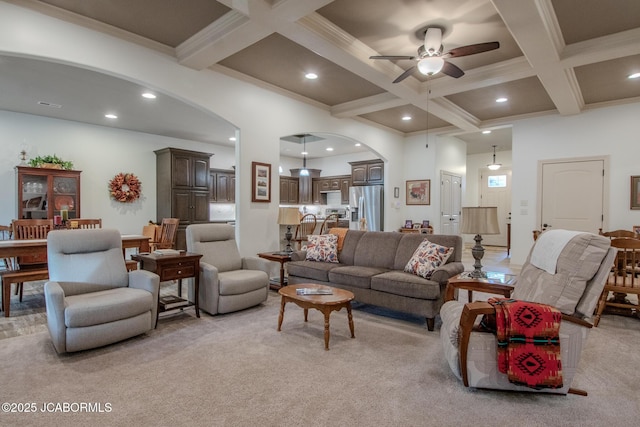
x: 304, y: 171
x: 494, y: 166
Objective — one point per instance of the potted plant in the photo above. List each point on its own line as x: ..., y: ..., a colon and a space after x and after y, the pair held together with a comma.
x: 50, y: 162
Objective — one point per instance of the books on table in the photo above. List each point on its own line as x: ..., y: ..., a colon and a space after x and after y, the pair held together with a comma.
x: 314, y: 291
x: 169, y: 302
x: 166, y: 252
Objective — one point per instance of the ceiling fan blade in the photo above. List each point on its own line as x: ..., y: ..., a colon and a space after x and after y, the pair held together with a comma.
x: 404, y: 75
x: 471, y: 49
x: 391, y: 57
x: 452, y: 70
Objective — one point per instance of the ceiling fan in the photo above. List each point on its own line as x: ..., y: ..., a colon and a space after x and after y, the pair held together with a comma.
x: 431, y: 58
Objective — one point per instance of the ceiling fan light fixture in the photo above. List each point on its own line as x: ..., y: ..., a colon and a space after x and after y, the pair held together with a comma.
x: 432, y: 40
x: 494, y: 166
x: 430, y: 65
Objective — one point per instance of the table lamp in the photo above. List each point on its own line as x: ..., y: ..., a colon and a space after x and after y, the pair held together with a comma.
x: 479, y: 220
x: 288, y: 217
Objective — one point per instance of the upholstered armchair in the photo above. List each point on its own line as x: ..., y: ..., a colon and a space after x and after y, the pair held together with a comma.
x: 90, y: 297
x: 566, y: 270
x: 228, y: 282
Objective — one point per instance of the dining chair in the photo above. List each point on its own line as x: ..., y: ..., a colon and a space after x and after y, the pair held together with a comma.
x: 307, y: 226
x: 27, y: 229
x: 84, y: 223
x: 329, y: 222
x: 617, y: 234
x: 624, y: 279
x: 5, y: 234
x: 166, y: 238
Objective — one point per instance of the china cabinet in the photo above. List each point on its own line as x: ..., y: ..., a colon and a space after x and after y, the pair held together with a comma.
x: 43, y: 193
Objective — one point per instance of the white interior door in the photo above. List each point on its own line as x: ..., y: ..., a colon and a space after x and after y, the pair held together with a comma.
x: 450, y: 203
x: 495, y: 190
x: 572, y: 195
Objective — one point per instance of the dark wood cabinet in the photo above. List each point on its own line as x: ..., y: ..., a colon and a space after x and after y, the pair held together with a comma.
x: 289, y: 189
x: 223, y: 186
x: 43, y: 192
x: 368, y: 172
x: 183, y: 188
x: 345, y: 183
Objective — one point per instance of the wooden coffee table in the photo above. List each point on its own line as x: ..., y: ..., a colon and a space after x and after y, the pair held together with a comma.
x: 324, y: 303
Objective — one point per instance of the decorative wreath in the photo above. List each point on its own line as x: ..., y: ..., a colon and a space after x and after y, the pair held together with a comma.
x: 125, y: 187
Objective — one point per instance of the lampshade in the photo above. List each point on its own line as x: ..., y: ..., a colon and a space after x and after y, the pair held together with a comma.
x: 480, y: 220
x: 430, y: 65
x: 288, y: 216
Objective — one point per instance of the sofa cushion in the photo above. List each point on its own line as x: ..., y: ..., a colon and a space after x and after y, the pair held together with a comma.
x: 426, y: 258
x: 322, y: 247
x: 351, y: 240
x: 405, y: 284
x: 96, y: 308
x: 356, y: 276
x: 377, y: 249
x: 311, y: 269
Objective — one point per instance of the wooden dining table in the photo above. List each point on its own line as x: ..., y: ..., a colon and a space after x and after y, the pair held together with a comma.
x: 15, y: 248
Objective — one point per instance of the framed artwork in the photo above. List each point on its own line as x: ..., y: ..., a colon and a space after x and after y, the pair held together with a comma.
x: 419, y: 192
x: 408, y: 224
x: 260, y: 182
x: 425, y: 223
x: 635, y: 192
x: 636, y: 229
x: 417, y: 226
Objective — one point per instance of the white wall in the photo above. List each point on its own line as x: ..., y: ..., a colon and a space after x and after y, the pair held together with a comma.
x: 611, y: 131
x: 100, y: 153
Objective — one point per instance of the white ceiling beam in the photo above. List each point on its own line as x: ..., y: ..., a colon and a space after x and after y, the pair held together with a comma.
x: 248, y: 23
x: 534, y: 27
x: 367, y: 105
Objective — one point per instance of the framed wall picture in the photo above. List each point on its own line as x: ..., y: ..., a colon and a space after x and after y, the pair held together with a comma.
x: 635, y: 192
x: 636, y: 229
x: 260, y: 182
x: 417, y: 226
x: 419, y: 192
x: 408, y: 223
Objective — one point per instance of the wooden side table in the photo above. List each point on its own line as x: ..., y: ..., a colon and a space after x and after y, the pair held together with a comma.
x: 280, y: 257
x: 173, y: 267
x: 496, y: 283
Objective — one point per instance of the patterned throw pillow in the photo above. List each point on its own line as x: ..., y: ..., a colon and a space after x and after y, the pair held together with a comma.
x: 426, y: 258
x: 323, y: 247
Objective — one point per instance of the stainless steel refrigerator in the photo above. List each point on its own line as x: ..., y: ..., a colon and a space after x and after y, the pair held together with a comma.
x: 366, y: 202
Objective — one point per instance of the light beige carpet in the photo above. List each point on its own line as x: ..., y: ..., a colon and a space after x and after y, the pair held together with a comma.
x: 237, y: 370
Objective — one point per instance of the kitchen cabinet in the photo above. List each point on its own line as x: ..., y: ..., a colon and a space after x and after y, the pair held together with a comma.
x: 288, y: 190
x: 42, y: 192
x: 223, y: 186
x: 345, y: 183
x: 183, y: 188
x: 368, y: 172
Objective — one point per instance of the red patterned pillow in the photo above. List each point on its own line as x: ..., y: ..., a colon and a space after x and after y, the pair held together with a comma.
x: 322, y: 247
x: 426, y: 258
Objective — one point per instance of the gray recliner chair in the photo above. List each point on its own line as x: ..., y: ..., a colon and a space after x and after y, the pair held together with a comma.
x: 90, y: 297
x: 228, y: 282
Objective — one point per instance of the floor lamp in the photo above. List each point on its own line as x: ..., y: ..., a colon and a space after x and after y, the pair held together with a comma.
x: 288, y: 217
x: 478, y: 221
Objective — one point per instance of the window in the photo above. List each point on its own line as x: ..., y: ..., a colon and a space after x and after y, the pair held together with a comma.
x: 497, y: 181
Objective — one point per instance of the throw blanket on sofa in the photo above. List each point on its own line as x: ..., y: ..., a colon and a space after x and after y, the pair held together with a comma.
x: 528, y: 342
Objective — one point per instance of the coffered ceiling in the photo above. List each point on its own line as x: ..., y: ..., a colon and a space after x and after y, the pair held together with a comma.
x: 555, y: 56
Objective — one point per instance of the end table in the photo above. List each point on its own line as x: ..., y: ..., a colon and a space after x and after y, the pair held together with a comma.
x: 497, y: 283
x: 280, y: 257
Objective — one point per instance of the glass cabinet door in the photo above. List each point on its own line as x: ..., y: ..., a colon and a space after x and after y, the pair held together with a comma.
x: 65, y: 195
x: 34, y: 196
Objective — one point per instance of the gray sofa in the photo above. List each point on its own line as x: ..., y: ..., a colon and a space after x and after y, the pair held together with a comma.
x: 371, y: 266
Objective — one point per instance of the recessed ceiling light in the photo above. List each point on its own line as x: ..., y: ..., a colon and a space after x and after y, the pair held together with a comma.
x: 233, y: 138
x: 406, y: 118
x: 329, y: 149
x: 111, y: 116
x: 486, y: 131
x: 634, y: 75
x: 358, y: 144
x: 149, y: 95
x: 311, y: 76
x: 501, y: 100
x: 49, y: 104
